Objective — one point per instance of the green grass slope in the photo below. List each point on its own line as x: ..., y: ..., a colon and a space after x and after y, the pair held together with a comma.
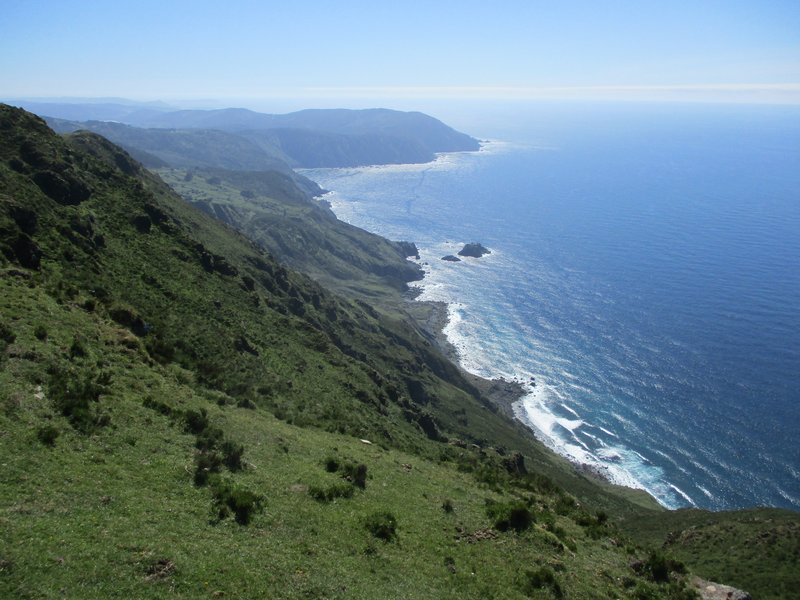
x: 756, y: 549
x: 181, y: 414
x: 300, y: 231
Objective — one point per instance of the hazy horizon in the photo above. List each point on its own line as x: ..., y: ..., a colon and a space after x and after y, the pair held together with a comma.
x: 260, y: 54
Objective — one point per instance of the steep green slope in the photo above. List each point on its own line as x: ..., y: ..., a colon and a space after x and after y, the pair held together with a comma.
x: 756, y: 549
x: 141, y: 344
x: 190, y: 147
x: 182, y: 414
x: 300, y: 231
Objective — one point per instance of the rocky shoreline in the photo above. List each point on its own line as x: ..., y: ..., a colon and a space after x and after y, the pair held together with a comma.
x: 501, y: 392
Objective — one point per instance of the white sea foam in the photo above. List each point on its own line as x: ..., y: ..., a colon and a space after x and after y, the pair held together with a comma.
x: 616, y: 463
x: 793, y: 499
x: 683, y: 494
x: 606, y: 431
x: 708, y: 494
x: 568, y: 409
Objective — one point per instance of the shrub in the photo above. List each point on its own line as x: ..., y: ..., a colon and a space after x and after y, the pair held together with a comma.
x: 47, y: 435
x: 541, y: 578
x: 246, y: 403
x: 565, y: 505
x: 78, y: 348
x: 331, y: 464
x: 595, y: 526
x: 74, y: 391
x: 447, y: 506
x: 209, y: 438
x: 510, y: 515
x: 382, y: 525
x: 196, y: 421
x: 355, y: 474
x: 206, y: 463
x: 40, y: 331
x: 228, y: 498
x: 659, y: 567
x: 6, y: 334
x: 158, y: 406
x: 332, y: 492
x: 232, y: 455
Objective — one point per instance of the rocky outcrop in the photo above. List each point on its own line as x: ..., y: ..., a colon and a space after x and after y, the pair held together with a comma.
x: 409, y: 249
x: 451, y: 258
x: 474, y: 250
x: 709, y: 590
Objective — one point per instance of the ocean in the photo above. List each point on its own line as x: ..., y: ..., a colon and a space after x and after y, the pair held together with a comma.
x: 643, y: 284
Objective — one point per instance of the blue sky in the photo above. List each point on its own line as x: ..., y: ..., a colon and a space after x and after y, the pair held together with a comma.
x: 178, y: 50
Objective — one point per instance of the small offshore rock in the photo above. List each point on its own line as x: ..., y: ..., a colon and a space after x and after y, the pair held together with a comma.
x: 451, y: 258
x: 475, y: 250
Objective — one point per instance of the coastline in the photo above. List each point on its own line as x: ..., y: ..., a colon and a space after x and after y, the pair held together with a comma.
x: 432, y: 317
x: 505, y: 394
x: 502, y: 392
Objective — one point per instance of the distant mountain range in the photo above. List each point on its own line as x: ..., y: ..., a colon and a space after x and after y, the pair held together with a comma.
x: 255, y: 141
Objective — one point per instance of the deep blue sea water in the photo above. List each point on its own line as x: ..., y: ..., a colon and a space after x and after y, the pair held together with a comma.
x: 645, y: 271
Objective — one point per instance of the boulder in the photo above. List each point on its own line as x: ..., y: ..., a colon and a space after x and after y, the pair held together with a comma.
x: 474, y: 250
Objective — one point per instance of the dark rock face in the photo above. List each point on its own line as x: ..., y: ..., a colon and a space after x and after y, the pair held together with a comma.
x: 451, y: 258
x: 409, y: 249
x: 62, y: 188
x: 474, y: 250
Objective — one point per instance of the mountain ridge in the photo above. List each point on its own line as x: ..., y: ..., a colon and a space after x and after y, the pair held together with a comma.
x: 307, y: 138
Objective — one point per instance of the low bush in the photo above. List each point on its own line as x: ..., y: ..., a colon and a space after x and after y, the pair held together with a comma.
x: 355, y: 474
x: 383, y: 525
x: 206, y: 464
x: 78, y: 347
x: 565, y: 505
x: 7, y: 336
x: 209, y: 438
x: 331, y: 464
x: 539, y: 579
x: 74, y: 392
x: 658, y: 566
x: 331, y: 493
x: 47, y: 435
x: 231, y: 499
x: 595, y: 526
x: 158, y: 406
x: 195, y: 421
x: 514, y: 515
x: 232, y: 455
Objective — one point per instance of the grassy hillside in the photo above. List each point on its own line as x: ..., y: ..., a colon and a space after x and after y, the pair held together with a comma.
x: 756, y: 549
x: 182, y: 414
x: 186, y: 148
x: 300, y: 231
